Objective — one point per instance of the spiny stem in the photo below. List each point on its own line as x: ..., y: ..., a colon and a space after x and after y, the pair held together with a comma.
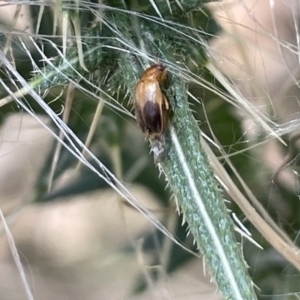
x: 191, y: 178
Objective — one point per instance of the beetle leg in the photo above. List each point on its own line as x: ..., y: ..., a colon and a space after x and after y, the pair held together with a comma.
x: 166, y: 103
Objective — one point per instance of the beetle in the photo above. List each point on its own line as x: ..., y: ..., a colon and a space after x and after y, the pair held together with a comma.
x: 152, y: 109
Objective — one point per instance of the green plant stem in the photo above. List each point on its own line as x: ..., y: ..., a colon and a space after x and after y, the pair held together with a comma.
x: 191, y: 179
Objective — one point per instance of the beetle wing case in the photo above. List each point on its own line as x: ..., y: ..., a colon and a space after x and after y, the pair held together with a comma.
x: 150, y: 108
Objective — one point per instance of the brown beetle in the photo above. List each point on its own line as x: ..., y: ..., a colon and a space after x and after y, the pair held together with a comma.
x: 151, y: 106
